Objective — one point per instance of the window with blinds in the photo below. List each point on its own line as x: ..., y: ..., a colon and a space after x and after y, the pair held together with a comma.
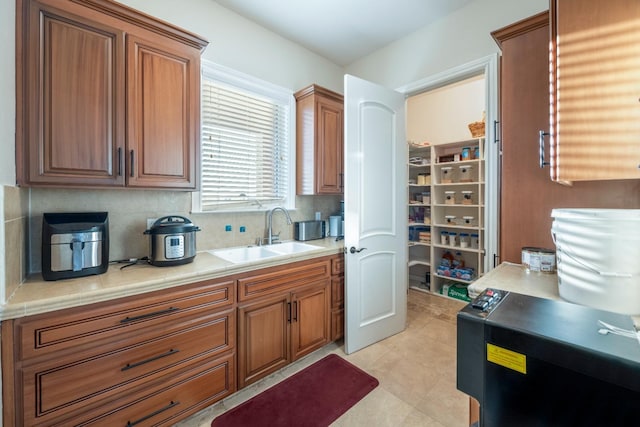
x: 246, y: 142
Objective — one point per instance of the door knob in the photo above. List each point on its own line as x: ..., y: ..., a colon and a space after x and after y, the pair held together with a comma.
x: 353, y: 250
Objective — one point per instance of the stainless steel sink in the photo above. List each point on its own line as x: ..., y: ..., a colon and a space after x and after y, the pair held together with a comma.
x: 256, y: 253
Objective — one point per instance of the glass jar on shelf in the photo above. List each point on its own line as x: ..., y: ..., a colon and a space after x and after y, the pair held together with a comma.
x: 467, y: 197
x: 449, y: 197
x: 424, y: 179
x: 466, y: 173
x: 475, y: 240
x: 426, y: 197
x: 465, y: 240
x: 446, y: 175
x: 466, y: 153
x: 469, y: 221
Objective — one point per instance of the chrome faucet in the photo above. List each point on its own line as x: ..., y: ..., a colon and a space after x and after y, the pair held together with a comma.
x: 270, y: 237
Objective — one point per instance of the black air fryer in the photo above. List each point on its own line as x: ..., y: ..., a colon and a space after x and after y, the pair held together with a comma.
x: 74, y: 244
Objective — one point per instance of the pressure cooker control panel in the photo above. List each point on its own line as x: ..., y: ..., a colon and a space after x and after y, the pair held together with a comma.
x: 174, y: 246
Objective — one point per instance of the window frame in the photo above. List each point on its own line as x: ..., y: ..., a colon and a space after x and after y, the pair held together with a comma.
x: 258, y: 87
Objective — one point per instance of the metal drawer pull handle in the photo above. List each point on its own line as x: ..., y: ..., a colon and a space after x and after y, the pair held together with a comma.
x: 295, y: 311
x: 151, y: 359
x: 133, y: 164
x: 541, y: 144
x: 144, y: 316
x: 153, y: 414
x: 119, y: 161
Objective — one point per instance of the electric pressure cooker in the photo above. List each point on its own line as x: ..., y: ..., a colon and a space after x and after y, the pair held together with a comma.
x: 172, y: 241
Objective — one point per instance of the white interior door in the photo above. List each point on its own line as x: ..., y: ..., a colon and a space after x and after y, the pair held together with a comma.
x: 375, y: 203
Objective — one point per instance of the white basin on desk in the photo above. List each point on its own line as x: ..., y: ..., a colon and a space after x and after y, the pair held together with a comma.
x: 257, y: 253
x: 245, y: 254
x: 292, y: 247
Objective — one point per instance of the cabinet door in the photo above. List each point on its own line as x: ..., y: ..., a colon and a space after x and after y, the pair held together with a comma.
x: 319, y: 141
x: 263, y: 338
x: 527, y: 195
x: 310, y: 322
x: 596, y: 132
x: 73, y: 87
x: 329, y: 154
x: 337, y: 298
x: 163, y: 99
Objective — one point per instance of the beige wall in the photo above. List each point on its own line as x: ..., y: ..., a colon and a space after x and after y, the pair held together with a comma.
x: 459, y: 38
x: 242, y: 45
x: 442, y: 115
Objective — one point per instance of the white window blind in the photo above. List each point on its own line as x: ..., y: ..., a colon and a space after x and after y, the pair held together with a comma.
x: 246, y: 148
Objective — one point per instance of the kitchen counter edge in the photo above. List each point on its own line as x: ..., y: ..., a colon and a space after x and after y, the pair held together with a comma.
x: 36, y: 296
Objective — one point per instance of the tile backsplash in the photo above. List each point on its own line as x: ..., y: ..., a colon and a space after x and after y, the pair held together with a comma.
x: 130, y: 209
x: 16, y: 234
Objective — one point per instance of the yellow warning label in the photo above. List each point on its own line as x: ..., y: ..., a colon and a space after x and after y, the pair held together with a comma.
x: 507, y: 358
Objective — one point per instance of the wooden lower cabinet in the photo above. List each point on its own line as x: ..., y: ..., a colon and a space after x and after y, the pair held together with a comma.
x: 283, y: 314
x: 337, y: 297
x: 263, y: 346
x: 276, y: 331
x: 310, y: 322
x: 156, y: 358
x: 144, y: 358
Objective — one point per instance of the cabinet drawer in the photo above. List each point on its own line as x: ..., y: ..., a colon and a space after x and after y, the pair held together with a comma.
x: 81, y: 327
x: 180, y: 399
x: 337, y: 265
x: 61, y: 386
x: 280, y: 279
x: 167, y: 401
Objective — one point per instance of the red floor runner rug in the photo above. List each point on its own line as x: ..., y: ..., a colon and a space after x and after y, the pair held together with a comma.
x: 313, y: 397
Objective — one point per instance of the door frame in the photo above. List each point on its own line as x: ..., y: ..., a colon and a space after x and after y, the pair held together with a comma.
x: 487, y: 66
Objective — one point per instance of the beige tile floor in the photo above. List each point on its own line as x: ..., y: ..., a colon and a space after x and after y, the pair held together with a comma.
x: 416, y: 371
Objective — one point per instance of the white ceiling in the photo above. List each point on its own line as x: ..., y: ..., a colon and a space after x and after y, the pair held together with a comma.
x: 343, y: 30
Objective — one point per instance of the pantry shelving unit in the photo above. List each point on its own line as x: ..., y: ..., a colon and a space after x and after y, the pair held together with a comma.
x: 454, y: 213
x: 419, y: 216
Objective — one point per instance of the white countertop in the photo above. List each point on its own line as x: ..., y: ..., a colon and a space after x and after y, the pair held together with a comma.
x: 515, y: 278
x: 36, y: 295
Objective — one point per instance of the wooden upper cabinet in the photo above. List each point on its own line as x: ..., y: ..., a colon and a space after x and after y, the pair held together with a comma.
x: 163, y: 114
x: 595, y: 90
x: 527, y: 195
x: 106, y: 97
x: 320, y: 146
x: 73, y: 77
